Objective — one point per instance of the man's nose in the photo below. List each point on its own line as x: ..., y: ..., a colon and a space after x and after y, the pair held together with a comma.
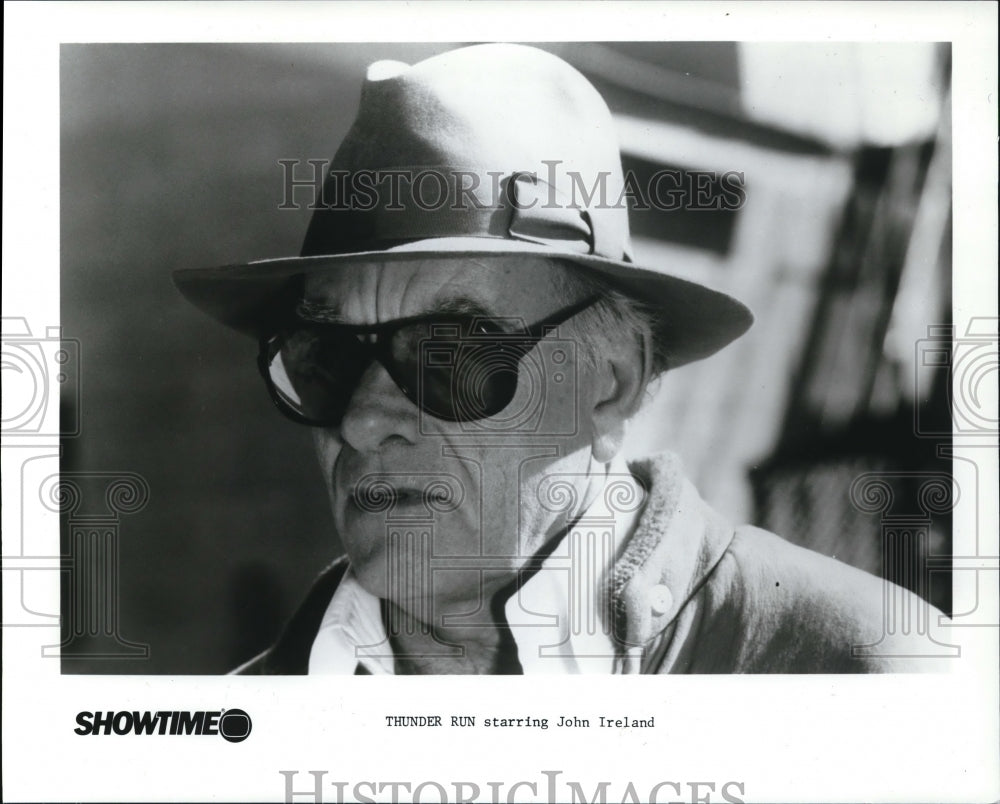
x: 379, y: 413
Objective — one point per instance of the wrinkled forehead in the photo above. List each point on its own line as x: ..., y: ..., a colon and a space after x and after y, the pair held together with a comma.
x: 373, y: 292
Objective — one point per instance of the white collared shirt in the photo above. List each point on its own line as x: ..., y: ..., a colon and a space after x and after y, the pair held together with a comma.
x: 559, y: 618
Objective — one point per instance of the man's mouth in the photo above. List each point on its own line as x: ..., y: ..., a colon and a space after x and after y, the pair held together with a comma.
x: 381, y: 497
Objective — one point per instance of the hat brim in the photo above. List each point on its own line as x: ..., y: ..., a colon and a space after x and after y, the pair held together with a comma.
x: 694, y: 321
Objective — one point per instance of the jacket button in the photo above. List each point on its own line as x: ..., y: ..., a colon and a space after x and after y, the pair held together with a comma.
x: 660, y: 599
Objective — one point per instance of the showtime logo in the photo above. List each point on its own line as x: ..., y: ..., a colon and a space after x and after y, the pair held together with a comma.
x: 233, y: 725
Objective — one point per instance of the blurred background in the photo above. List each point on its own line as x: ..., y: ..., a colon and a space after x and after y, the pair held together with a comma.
x: 169, y: 159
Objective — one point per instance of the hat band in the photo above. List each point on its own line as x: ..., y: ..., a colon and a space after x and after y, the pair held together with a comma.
x: 524, y: 212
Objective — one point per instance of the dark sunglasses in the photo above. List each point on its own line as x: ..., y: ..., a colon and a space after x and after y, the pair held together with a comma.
x: 458, y: 368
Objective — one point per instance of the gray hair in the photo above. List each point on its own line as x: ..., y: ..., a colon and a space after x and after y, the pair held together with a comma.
x: 618, y: 316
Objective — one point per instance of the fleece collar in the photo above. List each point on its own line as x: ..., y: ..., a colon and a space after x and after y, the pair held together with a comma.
x: 677, y: 543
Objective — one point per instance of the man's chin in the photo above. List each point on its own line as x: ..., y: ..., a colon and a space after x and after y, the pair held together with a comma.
x: 422, y: 593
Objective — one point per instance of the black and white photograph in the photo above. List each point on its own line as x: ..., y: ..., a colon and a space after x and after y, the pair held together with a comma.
x: 627, y: 351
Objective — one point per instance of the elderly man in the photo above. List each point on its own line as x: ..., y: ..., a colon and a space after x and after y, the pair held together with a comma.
x: 467, y: 336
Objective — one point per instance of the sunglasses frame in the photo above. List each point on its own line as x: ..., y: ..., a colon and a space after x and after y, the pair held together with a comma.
x: 379, y: 349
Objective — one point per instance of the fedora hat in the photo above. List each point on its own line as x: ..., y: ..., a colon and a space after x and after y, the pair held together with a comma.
x: 484, y: 152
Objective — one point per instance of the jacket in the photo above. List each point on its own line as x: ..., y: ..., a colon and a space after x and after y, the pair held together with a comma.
x: 692, y: 594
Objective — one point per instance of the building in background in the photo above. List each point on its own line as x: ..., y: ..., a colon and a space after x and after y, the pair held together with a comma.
x: 842, y: 249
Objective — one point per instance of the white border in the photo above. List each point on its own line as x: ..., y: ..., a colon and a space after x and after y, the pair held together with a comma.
x: 787, y: 738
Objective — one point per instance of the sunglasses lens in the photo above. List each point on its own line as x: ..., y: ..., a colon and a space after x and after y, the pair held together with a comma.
x: 312, y: 376
x: 443, y: 369
x: 466, y: 379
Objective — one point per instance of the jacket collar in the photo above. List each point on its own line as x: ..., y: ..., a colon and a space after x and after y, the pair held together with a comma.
x: 677, y: 543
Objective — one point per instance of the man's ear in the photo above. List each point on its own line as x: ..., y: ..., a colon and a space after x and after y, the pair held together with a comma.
x: 622, y: 374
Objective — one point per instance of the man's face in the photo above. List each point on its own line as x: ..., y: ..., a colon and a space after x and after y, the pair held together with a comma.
x: 503, y: 492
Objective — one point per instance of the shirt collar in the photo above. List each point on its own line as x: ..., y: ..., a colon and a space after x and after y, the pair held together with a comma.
x: 561, y: 617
